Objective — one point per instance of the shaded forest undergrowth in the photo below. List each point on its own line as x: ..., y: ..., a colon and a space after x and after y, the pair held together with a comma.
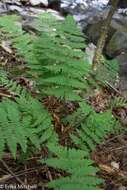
x: 110, y: 156
x: 88, y: 113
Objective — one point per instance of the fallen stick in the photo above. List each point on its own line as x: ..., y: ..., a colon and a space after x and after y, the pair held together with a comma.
x: 112, y: 171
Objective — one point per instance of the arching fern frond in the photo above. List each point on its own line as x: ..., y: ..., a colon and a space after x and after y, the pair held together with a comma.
x: 81, y: 174
x: 54, y: 58
x: 24, y: 121
x: 60, y: 62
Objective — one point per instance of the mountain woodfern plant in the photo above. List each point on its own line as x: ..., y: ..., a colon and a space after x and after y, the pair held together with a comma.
x: 56, y: 61
x: 55, y: 58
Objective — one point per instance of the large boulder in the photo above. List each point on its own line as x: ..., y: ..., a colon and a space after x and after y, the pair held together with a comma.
x: 117, y: 35
x: 117, y: 44
x: 85, y: 11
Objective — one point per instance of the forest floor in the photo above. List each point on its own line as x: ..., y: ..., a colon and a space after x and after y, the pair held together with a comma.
x: 110, y: 156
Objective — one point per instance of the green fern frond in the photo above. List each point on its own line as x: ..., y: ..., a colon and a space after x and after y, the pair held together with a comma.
x: 21, y: 41
x: 12, y: 86
x: 52, y: 54
x: 72, y: 33
x: 7, y: 23
x: 79, y: 116
x: 47, y: 23
x: 65, y: 93
x: 28, y: 107
x: 15, y: 130
x: 92, y: 127
x: 107, y: 72
x: 41, y: 120
x: 63, y: 81
x: 118, y: 102
x: 56, y: 55
x: 24, y: 121
x: 80, y: 169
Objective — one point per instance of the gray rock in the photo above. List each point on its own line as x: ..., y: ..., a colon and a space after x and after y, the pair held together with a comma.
x: 90, y: 51
x: 3, y: 8
x: 117, y: 35
x: 122, y: 60
x: 55, y: 13
x: 38, y: 2
x: 119, y: 22
x: 14, y: 8
x: 11, y: 2
x: 30, y: 24
x: 72, y: 5
x: 26, y: 11
x: 84, y: 11
x: 88, y: 12
x: 117, y: 43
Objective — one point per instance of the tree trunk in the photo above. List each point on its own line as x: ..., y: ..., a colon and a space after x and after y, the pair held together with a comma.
x: 103, y: 35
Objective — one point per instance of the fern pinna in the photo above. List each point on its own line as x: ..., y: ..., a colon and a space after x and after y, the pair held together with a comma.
x: 81, y: 174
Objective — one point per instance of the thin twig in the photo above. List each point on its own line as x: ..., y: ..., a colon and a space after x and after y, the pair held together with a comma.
x: 21, y: 173
x: 114, y: 149
x: 5, y: 178
x: 5, y: 95
x: 111, y: 139
x: 11, y: 172
x: 111, y: 170
x: 25, y: 180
